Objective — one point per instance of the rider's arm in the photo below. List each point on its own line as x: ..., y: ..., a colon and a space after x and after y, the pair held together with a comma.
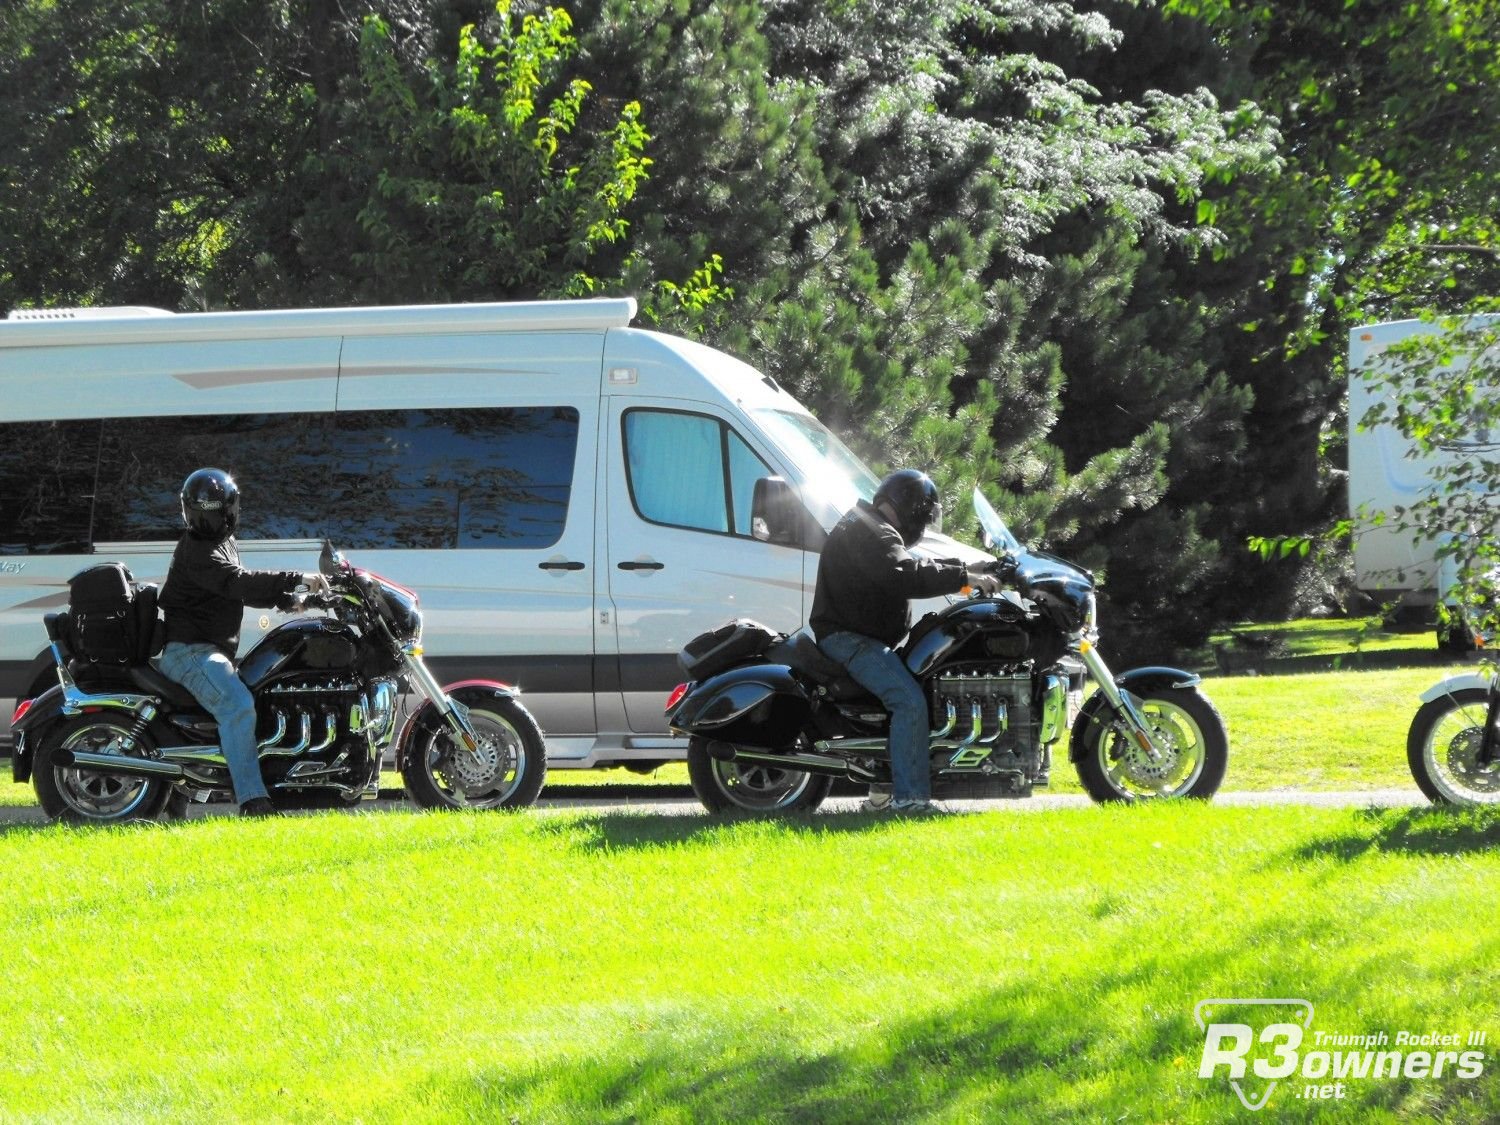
x: 219, y: 571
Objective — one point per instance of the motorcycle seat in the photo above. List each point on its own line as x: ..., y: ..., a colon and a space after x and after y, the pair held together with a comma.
x: 150, y: 680
x: 800, y: 652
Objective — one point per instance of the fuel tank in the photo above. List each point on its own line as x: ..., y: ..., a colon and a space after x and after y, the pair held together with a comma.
x: 307, y: 644
x: 999, y: 627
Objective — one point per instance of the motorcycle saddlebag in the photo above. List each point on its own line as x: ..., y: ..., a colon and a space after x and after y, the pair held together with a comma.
x: 101, y: 604
x: 736, y: 641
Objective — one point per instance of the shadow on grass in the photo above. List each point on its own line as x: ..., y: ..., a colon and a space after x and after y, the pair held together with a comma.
x: 1241, y: 664
x: 1429, y: 831
x: 1001, y: 1055
x: 629, y: 830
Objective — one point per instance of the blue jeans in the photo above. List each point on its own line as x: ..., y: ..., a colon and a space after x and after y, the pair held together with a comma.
x: 210, y: 676
x: 880, y: 671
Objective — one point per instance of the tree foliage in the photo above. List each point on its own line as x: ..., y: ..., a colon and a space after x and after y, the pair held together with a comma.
x: 1054, y: 247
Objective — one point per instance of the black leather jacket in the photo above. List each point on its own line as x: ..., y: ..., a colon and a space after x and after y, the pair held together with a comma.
x: 867, y: 578
x: 207, y: 590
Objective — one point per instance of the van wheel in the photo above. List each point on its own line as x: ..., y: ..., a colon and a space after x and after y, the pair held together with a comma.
x: 752, y: 786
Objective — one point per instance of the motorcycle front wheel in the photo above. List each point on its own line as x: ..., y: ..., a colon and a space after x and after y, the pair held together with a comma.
x: 1187, y: 730
x: 750, y: 786
x: 87, y: 796
x: 1442, y: 749
x: 506, y: 773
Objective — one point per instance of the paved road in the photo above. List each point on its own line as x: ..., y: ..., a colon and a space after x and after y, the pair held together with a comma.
x: 661, y: 800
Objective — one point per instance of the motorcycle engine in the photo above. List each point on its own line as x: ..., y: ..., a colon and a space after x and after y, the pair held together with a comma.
x: 995, y: 702
x: 991, y: 746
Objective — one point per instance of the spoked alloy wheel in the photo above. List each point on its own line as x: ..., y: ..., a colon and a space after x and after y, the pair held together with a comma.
x: 1189, y: 734
x: 752, y: 786
x: 87, y: 796
x: 1442, y: 749
x: 507, y: 771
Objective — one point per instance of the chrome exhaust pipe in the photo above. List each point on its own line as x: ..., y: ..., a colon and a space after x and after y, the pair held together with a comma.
x: 292, y: 751
x: 805, y: 763
x: 117, y: 763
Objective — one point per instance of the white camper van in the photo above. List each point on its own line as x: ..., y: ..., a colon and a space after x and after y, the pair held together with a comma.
x: 572, y: 498
x: 1384, y: 473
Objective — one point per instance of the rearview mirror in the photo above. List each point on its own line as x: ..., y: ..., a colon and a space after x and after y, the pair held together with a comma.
x: 777, y: 516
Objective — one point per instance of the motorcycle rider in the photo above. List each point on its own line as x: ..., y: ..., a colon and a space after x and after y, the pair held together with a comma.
x: 202, y: 602
x: 861, y: 610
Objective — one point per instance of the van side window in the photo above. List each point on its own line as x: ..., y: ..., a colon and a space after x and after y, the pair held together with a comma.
x: 690, y: 470
x: 495, y: 477
x: 279, y: 460
x: 368, y: 480
x: 47, y: 486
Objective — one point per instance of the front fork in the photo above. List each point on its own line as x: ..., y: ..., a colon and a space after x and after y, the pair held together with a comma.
x: 454, y: 713
x: 1119, y: 700
x: 1489, y: 741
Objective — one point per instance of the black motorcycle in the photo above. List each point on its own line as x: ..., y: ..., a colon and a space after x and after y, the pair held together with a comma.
x: 122, y: 742
x: 772, y: 720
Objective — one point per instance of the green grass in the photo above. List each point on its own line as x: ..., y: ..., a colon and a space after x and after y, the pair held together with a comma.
x: 1333, y: 637
x: 566, y: 967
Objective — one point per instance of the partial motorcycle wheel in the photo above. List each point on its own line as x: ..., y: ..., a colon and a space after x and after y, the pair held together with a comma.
x: 1442, y: 749
x: 87, y: 796
x: 1187, y: 728
x: 751, y: 786
x: 507, y: 772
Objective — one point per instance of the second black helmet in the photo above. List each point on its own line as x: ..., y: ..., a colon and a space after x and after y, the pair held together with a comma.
x: 211, y: 504
x: 914, y: 499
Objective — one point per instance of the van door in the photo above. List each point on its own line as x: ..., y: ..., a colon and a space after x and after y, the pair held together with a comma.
x: 474, y: 457
x: 676, y: 548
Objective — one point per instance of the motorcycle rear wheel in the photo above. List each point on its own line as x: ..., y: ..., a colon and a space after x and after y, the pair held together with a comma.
x: 87, y: 796
x: 1187, y: 727
x: 1441, y: 747
x: 751, y: 787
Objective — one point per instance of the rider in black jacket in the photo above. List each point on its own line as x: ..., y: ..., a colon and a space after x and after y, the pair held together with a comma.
x: 861, y: 610
x: 202, y: 604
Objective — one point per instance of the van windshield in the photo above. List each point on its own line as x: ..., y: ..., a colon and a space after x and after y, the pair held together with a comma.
x: 826, y: 463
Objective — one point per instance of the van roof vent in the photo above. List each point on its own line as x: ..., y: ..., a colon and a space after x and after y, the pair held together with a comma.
x: 115, y: 313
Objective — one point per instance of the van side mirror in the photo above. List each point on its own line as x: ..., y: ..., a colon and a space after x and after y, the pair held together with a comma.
x: 777, y: 516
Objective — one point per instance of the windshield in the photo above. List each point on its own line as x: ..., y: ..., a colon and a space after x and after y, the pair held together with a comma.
x: 996, y: 534
x: 825, y: 463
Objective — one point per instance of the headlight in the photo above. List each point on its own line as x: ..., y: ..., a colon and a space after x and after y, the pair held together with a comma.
x: 402, y: 611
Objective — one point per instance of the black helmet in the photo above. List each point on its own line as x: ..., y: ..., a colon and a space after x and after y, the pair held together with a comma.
x: 211, y: 504
x: 914, y: 498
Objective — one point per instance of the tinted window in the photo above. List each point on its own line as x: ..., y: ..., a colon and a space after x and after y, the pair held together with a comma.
x: 47, y: 486
x: 689, y: 470
x: 453, y: 478
x: 366, y: 479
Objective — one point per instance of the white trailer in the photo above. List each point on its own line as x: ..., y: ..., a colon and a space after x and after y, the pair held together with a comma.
x: 1386, y: 472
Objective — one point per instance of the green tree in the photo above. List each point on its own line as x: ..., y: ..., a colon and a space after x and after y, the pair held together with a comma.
x: 1387, y: 208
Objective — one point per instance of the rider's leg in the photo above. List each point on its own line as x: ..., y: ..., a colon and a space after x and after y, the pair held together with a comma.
x: 210, y: 676
x: 880, y: 671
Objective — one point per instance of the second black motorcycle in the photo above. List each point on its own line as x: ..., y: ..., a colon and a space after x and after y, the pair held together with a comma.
x: 773, y: 721
x: 115, y: 740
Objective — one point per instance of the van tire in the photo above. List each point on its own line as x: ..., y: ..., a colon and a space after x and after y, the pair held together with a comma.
x: 729, y: 787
